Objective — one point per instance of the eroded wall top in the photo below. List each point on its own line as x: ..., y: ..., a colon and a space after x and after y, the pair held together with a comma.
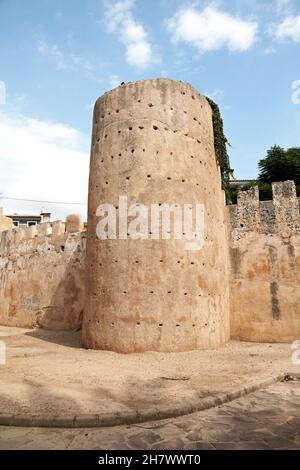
x: 281, y: 215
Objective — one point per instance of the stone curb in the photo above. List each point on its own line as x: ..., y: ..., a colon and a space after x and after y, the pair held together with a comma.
x: 134, y: 417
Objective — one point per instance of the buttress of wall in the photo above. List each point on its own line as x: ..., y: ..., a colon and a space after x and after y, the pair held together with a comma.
x: 265, y: 266
x: 42, y: 277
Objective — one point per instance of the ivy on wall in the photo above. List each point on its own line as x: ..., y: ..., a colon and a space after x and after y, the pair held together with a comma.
x: 221, y: 143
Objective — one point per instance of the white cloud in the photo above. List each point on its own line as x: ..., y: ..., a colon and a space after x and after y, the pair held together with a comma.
x: 289, y: 28
x: 48, y: 132
x: 114, y: 81
x: 20, y: 98
x: 52, y: 51
x: 117, y: 13
x: 45, y: 161
x: 65, y: 61
x: 212, y: 29
x: 78, y: 62
x: 133, y: 32
x: 89, y: 106
x: 139, y: 53
x: 218, y: 95
x: 269, y: 50
x: 215, y: 94
x: 119, y: 19
x: 284, y: 6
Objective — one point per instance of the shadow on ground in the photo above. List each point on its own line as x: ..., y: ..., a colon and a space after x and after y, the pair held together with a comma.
x: 71, y: 339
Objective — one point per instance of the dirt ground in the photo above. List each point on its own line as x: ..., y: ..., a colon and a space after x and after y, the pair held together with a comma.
x: 48, y: 373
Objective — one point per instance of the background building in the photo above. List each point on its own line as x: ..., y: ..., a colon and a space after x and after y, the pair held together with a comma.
x: 29, y: 220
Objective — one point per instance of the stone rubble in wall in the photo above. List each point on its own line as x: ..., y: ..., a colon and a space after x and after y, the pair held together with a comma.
x: 45, y: 235
x: 281, y: 215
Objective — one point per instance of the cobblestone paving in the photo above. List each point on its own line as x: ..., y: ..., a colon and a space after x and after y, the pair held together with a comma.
x: 267, y: 419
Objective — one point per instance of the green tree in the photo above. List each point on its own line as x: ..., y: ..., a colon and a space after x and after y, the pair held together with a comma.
x: 280, y: 165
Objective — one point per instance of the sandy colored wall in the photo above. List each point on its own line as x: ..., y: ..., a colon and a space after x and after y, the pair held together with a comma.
x: 5, y: 222
x: 153, y: 142
x: 265, y: 266
x: 42, y: 277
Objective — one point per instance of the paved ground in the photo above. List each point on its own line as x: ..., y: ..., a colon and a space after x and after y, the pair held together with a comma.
x: 48, y: 373
x: 267, y: 419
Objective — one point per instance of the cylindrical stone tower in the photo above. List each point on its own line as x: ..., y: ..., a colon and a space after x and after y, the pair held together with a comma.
x: 153, y: 142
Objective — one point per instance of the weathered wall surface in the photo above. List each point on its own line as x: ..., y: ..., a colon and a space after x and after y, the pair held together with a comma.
x: 42, y: 277
x: 5, y: 222
x: 153, y: 142
x: 265, y: 266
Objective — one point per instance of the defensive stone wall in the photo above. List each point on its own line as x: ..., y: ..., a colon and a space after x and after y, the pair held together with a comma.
x: 153, y: 142
x: 42, y: 276
x: 265, y: 265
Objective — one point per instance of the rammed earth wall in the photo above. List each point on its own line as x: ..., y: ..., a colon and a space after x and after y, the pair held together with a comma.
x: 42, y: 275
x: 265, y: 266
x: 153, y: 142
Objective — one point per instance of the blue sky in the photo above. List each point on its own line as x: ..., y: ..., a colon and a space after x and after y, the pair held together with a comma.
x: 58, y: 56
